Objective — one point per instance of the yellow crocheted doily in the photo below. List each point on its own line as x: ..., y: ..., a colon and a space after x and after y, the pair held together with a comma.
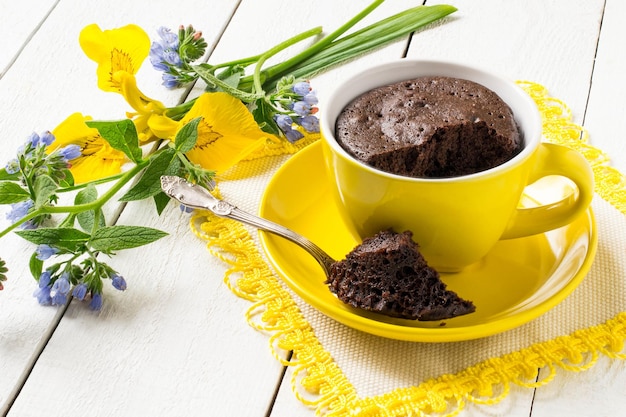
x: 274, y: 311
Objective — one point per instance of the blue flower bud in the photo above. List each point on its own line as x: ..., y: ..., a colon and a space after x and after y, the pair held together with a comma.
x: 43, y: 296
x: 45, y: 252
x: 284, y: 122
x: 170, y: 81
x: 301, y: 108
x: 70, y: 152
x: 293, y: 135
x: 96, y: 302
x: 13, y: 166
x: 61, y: 285
x: 302, y: 88
x: 80, y: 291
x: 172, y: 58
x: 58, y: 299
x: 169, y: 38
x: 118, y: 282
x: 33, y: 139
x: 185, y: 209
x: 309, y: 123
x: 44, y: 279
x: 19, y: 210
x: 310, y: 99
x: 46, y: 138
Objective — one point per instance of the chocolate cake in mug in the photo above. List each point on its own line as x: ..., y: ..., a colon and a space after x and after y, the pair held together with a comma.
x: 430, y: 126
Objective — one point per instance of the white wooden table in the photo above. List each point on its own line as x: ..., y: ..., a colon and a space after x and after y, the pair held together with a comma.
x: 176, y: 343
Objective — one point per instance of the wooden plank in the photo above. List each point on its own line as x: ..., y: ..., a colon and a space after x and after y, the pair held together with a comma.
x: 606, y: 114
x: 601, y: 390
x: 177, y: 332
x: 17, y: 24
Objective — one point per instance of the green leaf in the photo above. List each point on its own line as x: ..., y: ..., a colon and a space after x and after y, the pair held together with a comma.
x: 121, y: 135
x: 4, y: 175
x: 164, y: 163
x: 112, y: 238
x: 86, y: 218
x: 263, y: 117
x: 160, y: 201
x: 68, y: 179
x: 11, y: 193
x: 68, y: 221
x: 62, y: 237
x: 35, y: 265
x: 45, y: 187
x: 187, y: 136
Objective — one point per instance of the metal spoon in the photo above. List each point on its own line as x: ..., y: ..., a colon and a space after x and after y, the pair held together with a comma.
x: 195, y: 196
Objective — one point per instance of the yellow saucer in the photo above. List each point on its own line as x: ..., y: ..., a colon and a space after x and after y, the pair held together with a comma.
x: 519, y: 280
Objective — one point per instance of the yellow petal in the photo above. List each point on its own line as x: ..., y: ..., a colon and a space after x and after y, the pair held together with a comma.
x: 91, y: 168
x: 123, y: 49
x: 227, y: 132
x: 98, y: 159
x: 162, y: 126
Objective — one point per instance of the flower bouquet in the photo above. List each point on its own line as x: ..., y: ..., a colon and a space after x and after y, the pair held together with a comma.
x: 245, y: 104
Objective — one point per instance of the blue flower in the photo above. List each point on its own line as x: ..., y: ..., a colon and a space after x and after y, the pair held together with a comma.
x: 96, y: 302
x: 293, y: 135
x: 45, y: 252
x: 70, y: 152
x: 58, y: 298
x: 42, y: 293
x: 19, y: 210
x: 80, y: 291
x: 302, y: 88
x: 60, y: 289
x: 309, y: 123
x: 44, y: 279
x: 310, y: 99
x: 13, y: 166
x: 156, y: 53
x: 46, y: 138
x: 43, y: 296
x: 33, y: 138
x: 185, y: 209
x: 164, y: 55
x: 170, y: 81
x: 285, y: 122
x: 301, y: 108
x: 169, y: 39
x: 171, y: 57
x: 118, y: 282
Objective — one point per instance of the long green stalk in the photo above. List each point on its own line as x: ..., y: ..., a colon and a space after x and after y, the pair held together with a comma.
x: 355, y: 44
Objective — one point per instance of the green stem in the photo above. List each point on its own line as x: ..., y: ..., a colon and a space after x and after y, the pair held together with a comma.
x: 243, y: 61
x: 276, y: 49
x: 98, y: 203
x: 322, y: 43
x: 94, y: 205
x: 209, y: 78
x: 369, y: 38
x: 94, y: 182
x: 357, y: 43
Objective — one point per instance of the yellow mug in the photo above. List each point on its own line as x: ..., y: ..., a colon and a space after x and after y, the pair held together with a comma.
x: 456, y: 221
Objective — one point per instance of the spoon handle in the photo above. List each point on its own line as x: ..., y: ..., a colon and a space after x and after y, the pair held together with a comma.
x: 195, y: 196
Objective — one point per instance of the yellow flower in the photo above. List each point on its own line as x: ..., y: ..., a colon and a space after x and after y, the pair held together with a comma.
x: 227, y: 132
x: 98, y: 159
x: 119, y: 53
x: 123, y: 49
x: 149, y: 116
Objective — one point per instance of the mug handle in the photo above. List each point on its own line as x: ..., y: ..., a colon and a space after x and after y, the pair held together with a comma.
x: 554, y: 160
